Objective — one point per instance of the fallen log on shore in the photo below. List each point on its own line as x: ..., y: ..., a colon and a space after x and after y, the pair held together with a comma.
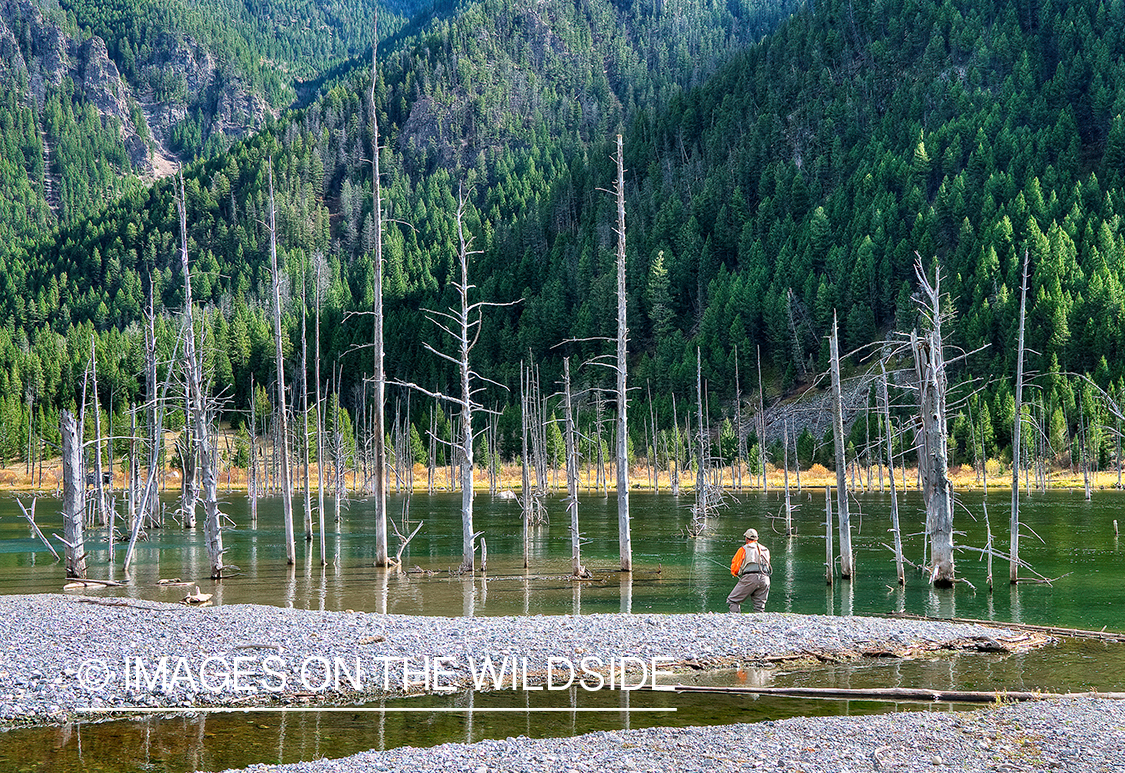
x: 1074, y: 633
x: 896, y: 694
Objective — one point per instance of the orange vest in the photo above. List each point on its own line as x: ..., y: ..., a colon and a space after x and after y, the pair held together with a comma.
x: 749, y: 554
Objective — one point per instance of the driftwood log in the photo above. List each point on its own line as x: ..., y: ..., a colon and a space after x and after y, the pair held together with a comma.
x: 896, y: 694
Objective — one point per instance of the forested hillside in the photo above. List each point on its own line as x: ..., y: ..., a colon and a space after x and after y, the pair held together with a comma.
x: 96, y: 94
x: 770, y: 183
x: 505, y: 98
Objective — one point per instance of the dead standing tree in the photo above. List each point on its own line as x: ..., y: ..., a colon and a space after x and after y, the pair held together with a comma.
x: 624, y: 538
x: 74, y: 497
x: 937, y: 491
x: 886, y: 408
x: 847, y: 561
x: 204, y: 449
x: 1014, y: 524
x: 463, y: 325
x: 577, y: 569
x: 379, y: 378
x: 282, y: 443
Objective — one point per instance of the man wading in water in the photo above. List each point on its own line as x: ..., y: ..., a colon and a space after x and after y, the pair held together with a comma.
x: 751, y: 565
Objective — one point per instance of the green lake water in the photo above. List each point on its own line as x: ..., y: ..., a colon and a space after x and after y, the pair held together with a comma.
x: 672, y: 573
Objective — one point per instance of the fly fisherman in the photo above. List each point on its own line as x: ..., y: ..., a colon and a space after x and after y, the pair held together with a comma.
x: 751, y: 565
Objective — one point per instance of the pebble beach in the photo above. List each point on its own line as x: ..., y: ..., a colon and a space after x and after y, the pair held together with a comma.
x: 63, y: 656
x: 1073, y: 734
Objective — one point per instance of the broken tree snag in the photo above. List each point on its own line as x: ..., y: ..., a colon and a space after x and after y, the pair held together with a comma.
x: 625, y: 543
x: 1014, y: 525
x: 282, y: 441
x: 319, y: 420
x: 204, y: 450
x: 462, y: 323
x: 937, y: 491
x: 847, y: 562
x: 74, y: 497
x: 577, y: 569
x: 885, y: 399
x: 829, y: 557
x: 525, y: 504
x: 379, y: 379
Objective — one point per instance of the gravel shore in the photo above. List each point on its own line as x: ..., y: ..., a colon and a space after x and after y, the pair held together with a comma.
x: 62, y: 654
x: 1071, y: 734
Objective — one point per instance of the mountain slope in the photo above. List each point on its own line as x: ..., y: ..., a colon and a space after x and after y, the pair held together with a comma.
x: 797, y: 181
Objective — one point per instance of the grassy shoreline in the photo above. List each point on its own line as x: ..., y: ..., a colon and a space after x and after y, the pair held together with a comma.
x: 48, y: 479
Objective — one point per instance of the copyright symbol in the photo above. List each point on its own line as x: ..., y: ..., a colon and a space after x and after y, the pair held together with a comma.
x: 94, y: 674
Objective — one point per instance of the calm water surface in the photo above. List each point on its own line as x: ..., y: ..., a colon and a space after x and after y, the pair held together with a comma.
x: 672, y: 574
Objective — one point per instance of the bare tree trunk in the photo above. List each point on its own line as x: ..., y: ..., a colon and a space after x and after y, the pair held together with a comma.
x: 738, y: 434
x: 1014, y: 525
x: 701, y: 504
x: 984, y: 504
x: 762, y: 423
x: 319, y: 429
x: 600, y: 479
x: 468, y: 552
x: 252, y: 471
x: 625, y: 544
x: 379, y: 375
x: 305, y: 410
x: 891, y: 474
x: 204, y: 449
x: 526, y: 481
x: 1083, y: 451
x: 847, y: 562
x: 788, y: 502
x: 576, y: 567
x: 74, y: 497
x: 29, y: 463
x: 133, y: 465
x: 676, y: 462
x: 655, y: 461
x: 338, y: 468
x: 283, y: 428
x: 99, y: 487
x: 829, y: 553
x: 1117, y: 451
x: 432, y: 468
x: 938, y: 491
x: 867, y: 443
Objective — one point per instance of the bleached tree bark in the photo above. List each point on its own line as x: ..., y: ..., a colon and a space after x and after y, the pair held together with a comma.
x: 891, y: 472
x: 785, y: 463
x: 829, y: 553
x: 701, y: 503
x: 463, y: 325
x: 319, y: 426
x: 740, y: 436
x: 762, y: 425
x: 847, y: 561
x: 204, y: 450
x: 74, y: 497
x: 526, y: 480
x: 378, y: 377
x: 625, y: 544
x: 104, y: 515
x: 1014, y: 524
x: 675, y: 460
x: 282, y: 444
x: 655, y: 461
x: 252, y: 467
x: 305, y: 412
x: 577, y: 569
x: 937, y: 489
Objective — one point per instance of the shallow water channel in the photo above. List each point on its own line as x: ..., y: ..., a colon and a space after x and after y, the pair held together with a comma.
x: 672, y: 574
